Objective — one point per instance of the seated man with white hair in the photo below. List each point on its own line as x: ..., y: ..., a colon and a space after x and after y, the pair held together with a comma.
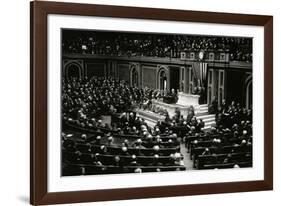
x: 138, y: 144
x: 156, y: 161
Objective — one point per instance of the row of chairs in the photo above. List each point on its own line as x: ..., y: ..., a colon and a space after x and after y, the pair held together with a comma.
x: 130, y: 150
x: 102, y: 132
x: 84, y: 169
x: 211, y: 142
x: 119, y: 141
x: 227, y: 165
x: 236, y: 158
x: 205, y: 137
x: 107, y: 159
x: 195, y: 152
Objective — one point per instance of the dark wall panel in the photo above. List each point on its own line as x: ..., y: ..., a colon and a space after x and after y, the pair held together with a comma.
x: 235, y: 87
x: 149, y: 76
x: 174, y: 77
x: 95, y: 69
x: 124, y: 72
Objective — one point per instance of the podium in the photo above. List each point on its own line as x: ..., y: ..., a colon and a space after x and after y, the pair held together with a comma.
x: 183, y: 104
x: 170, y: 99
x: 188, y: 99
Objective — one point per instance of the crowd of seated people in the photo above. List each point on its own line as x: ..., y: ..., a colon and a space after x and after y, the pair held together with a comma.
x: 100, y: 95
x: 89, y: 147
x: 149, y: 45
x: 229, y: 115
x: 227, y: 145
x: 126, y: 144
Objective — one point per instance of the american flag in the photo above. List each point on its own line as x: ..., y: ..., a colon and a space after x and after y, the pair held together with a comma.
x: 200, y: 71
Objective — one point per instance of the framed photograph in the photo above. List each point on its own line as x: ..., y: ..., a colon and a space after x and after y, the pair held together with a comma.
x: 133, y: 102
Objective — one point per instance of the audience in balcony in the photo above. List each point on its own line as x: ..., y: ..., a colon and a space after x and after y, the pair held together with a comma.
x: 149, y: 45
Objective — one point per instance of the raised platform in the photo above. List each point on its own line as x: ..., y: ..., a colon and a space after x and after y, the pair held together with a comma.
x: 183, y: 104
x: 209, y: 119
x: 188, y: 99
x: 171, y: 108
x: 151, y: 118
x: 201, y: 112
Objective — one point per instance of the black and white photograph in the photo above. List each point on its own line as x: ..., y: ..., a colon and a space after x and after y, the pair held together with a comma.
x: 135, y: 102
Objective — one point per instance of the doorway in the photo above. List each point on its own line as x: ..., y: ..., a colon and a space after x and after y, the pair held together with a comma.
x: 174, y: 78
x: 235, y: 83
